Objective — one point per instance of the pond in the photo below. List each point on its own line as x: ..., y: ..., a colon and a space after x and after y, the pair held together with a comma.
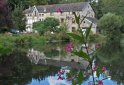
x: 22, y: 67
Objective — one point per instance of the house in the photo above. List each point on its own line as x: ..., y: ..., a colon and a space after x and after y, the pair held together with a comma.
x: 63, y: 12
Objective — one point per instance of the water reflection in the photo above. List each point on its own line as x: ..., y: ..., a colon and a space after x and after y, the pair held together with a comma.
x: 17, y: 69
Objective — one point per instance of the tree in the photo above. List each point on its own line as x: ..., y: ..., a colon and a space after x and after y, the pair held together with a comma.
x: 38, y: 2
x: 51, y: 24
x: 39, y: 26
x: 19, y: 18
x: 110, y: 25
x: 97, y: 9
x: 113, y: 6
x: 5, y: 17
x: 14, y: 3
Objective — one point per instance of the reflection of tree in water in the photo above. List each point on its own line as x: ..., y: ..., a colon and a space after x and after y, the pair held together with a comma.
x: 51, y: 53
x: 52, y: 50
x: 15, y: 68
x: 112, y: 54
x: 117, y: 70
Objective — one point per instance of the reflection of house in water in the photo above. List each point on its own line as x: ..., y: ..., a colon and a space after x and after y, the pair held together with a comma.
x: 39, y: 58
x: 35, y: 56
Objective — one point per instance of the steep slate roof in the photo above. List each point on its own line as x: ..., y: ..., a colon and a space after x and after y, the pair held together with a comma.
x: 93, y: 20
x: 71, y: 7
x: 30, y: 10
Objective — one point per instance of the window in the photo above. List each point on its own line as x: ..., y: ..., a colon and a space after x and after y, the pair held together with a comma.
x: 73, y: 20
x: 62, y: 20
x: 73, y: 29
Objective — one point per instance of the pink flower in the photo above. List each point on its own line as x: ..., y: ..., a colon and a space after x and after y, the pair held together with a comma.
x: 59, y: 10
x: 103, y: 68
x: 98, y: 46
x: 60, y: 78
x: 100, y: 82
x: 94, y: 69
x: 69, y: 47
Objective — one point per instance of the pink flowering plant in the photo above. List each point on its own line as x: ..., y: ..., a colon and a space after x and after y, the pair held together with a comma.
x: 83, y: 38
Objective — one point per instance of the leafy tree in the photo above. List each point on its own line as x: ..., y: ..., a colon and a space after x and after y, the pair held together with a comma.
x: 51, y: 24
x: 110, y: 25
x: 97, y: 9
x: 19, y: 18
x: 5, y: 17
x: 71, y: 1
x: 53, y: 1
x: 14, y: 3
x: 38, y: 2
x: 39, y: 26
x: 113, y: 6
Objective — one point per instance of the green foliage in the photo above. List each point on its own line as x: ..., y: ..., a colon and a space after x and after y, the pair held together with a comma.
x: 39, y: 26
x: 38, y: 2
x: 5, y: 50
x: 114, y: 6
x: 82, y: 55
x: 49, y: 24
x: 5, y: 17
x: 99, y: 71
x: 110, y: 24
x: 76, y: 37
x: 80, y: 77
x: 19, y: 18
x: 97, y: 9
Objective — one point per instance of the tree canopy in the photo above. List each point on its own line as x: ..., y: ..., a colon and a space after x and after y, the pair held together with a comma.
x: 49, y: 24
x: 19, y: 18
x: 5, y: 17
x: 110, y: 25
x: 113, y: 6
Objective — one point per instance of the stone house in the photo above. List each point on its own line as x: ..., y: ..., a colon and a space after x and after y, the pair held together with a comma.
x: 63, y: 12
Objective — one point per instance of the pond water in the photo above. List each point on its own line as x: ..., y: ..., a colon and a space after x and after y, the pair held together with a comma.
x: 21, y: 68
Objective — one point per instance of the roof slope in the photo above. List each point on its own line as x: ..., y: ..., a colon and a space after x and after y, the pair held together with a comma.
x: 71, y: 7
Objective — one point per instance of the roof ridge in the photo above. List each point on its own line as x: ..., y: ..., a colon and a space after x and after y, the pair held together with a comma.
x: 64, y: 4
